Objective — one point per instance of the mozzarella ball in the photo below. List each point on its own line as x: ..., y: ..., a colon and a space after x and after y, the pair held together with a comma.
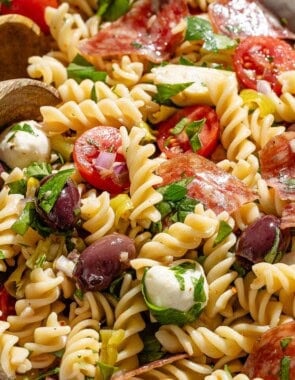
x: 24, y: 143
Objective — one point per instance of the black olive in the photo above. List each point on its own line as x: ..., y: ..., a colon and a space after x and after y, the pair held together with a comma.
x: 259, y: 239
x: 104, y: 260
x: 65, y: 212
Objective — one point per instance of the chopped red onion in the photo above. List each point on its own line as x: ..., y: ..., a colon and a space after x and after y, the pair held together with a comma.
x: 104, y: 160
x: 121, y: 173
x: 264, y: 87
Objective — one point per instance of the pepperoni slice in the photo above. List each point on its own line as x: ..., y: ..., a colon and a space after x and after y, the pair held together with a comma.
x: 277, y: 162
x: 145, y: 31
x: 241, y: 18
x: 273, y: 354
x: 211, y: 185
x: 288, y: 216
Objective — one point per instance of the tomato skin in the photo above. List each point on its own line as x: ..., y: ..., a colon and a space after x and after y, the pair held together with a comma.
x: 208, y: 136
x: 263, y: 58
x: 33, y: 9
x: 88, y: 147
x: 7, y: 303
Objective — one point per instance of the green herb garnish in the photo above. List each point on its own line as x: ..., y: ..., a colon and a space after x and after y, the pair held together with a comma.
x: 223, y: 232
x: 80, y: 69
x: 50, y: 191
x: 111, y: 10
x: 285, y: 368
x: 201, y: 29
x: 165, y: 91
x: 38, y: 170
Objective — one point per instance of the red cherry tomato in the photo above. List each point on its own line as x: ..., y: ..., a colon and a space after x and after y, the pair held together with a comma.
x: 263, y: 58
x: 33, y: 9
x: 193, y: 128
x: 273, y: 355
x: 98, y: 161
x: 7, y: 303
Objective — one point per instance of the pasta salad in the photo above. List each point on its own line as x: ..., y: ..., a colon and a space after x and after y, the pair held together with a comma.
x: 147, y: 220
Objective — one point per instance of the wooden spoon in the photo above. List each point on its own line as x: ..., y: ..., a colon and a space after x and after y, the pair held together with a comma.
x: 20, y: 38
x: 21, y: 99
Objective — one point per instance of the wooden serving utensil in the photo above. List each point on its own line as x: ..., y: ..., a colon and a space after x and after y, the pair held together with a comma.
x: 21, y: 99
x: 20, y: 38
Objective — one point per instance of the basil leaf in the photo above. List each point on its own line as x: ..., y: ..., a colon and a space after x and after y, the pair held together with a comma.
x: 223, y: 232
x: 193, y: 130
x: 201, y: 29
x: 112, y: 10
x: 2, y: 255
x: 152, y: 349
x: 197, y: 28
x: 18, y: 187
x: 285, y: 342
x: 271, y: 255
x: 179, y: 127
x: 49, y: 192
x: 285, y: 368
x: 179, y: 271
x: 38, y: 170
x: 23, y: 128
x: 79, y: 293
x: 199, y: 292
x: 166, y: 90
x: 93, y: 95
x: 175, y: 191
x: 80, y: 69
x: 186, y: 62
x: 21, y: 225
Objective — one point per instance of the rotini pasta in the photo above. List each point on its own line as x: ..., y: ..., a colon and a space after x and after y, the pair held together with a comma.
x: 114, y: 322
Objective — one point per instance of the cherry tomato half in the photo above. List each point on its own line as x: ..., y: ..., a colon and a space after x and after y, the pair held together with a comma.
x: 7, y: 303
x: 263, y: 58
x: 33, y: 9
x: 193, y: 128
x: 98, y: 161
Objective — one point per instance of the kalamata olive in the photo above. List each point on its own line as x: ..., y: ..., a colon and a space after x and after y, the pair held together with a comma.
x: 104, y: 260
x: 263, y: 240
x: 64, y: 214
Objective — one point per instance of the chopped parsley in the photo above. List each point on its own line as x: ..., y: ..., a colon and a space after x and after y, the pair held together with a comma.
x: 285, y: 368
x: 285, y: 342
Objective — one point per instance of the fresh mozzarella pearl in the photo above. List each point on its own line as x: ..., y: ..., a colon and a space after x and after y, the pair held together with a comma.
x: 163, y: 288
x: 20, y: 148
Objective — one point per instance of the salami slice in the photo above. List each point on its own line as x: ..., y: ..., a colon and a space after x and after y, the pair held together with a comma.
x: 288, y: 216
x: 241, y: 18
x: 274, y: 354
x: 146, y: 31
x: 211, y: 185
x: 277, y: 162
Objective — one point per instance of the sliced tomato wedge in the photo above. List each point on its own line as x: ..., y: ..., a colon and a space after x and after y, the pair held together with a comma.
x: 97, y: 159
x: 7, y: 303
x: 33, y: 9
x: 191, y: 129
x: 263, y: 58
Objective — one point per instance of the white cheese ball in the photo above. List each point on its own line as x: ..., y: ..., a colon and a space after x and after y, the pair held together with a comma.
x: 24, y: 143
x: 163, y: 288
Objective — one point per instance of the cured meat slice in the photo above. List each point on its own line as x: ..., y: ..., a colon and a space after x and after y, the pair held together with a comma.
x: 146, y: 31
x: 277, y: 161
x: 274, y: 354
x: 288, y: 216
x: 211, y: 185
x: 241, y: 18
